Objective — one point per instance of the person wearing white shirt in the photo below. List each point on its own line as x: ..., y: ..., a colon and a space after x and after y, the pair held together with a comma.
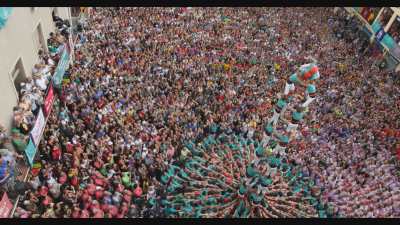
x: 310, y: 95
x: 40, y: 82
x: 279, y: 109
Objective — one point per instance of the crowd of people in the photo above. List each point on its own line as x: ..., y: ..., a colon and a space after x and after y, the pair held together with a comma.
x: 6, y: 169
x: 33, y: 90
x: 164, y: 110
x: 354, y: 147
x: 31, y: 98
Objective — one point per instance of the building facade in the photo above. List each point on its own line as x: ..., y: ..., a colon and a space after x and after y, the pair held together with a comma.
x: 22, y: 34
x: 382, y: 25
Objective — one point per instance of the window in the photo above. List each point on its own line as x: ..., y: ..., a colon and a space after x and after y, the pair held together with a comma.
x: 38, y: 38
x: 385, y: 16
x: 369, y: 13
x: 393, y: 41
x: 18, y: 75
x: 395, y: 29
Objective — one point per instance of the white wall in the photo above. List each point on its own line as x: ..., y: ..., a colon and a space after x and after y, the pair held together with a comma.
x: 16, y: 41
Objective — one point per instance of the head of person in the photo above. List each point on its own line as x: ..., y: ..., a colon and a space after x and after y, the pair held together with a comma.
x: 300, y: 109
x: 311, y: 90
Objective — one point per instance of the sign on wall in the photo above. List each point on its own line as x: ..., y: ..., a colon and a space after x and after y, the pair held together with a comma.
x: 376, y: 26
x: 30, y: 152
x: 48, y: 102
x: 38, y: 128
x: 380, y: 34
x: 61, y: 67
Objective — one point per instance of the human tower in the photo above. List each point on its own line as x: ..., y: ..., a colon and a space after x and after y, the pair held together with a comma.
x: 233, y: 175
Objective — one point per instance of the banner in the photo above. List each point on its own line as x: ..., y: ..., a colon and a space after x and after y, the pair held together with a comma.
x: 5, y: 206
x: 380, y: 34
x: 388, y: 41
x: 395, y: 51
x: 30, y: 151
x: 38, y: 128
x: 61, y: 67
x: 376, y: 26
x: 48, y: 102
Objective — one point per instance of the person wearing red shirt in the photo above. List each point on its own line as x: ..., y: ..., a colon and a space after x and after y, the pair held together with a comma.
x: 398, y: 152
x: 56, y: 153
x: 221, y: 98
x: 138, y: 191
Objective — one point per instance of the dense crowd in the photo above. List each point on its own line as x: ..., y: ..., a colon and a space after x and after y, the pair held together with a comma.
x: 152, y: 86
x: 6, y: 160
x: 30, y: 99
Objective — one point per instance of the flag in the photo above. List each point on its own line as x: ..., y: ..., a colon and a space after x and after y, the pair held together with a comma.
x: 5, y: 206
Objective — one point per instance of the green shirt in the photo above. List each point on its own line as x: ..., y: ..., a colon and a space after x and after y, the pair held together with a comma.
x: 315, y: 76
x: 214, y: 128
x: 275, y: 161
x: 322, y: 214
x: 297, y: 116
x: 152, y: 201
x: 211, y: 139
x: 52, y: 49
x: 281, y: 103
x: 126, y: 179
x: 211, y: 201
x: 198, y: 212
x: 19, y: 145
x: 234, y: 147
x: 268, y: 128
x: 170, y: 188
x: 253, y: 61
x: 188, y: 208
x: 242, y: 189
x: 293, y: 78
x: 265, y: 181
x: 190, y: 145
x: 184, y: 174
x: 164, y: 179
x: 237, y: 156
x: 297, y: 189
x: 103, y: 171
x: 170, y: 211
x: 260, y: 151
x: 284, y: 139
x: 165, y: 202
x: 255, y: 198
x: 251, y: 171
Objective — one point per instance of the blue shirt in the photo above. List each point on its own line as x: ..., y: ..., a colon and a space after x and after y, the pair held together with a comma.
x: 99, y: 93
x: 3, y: 169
